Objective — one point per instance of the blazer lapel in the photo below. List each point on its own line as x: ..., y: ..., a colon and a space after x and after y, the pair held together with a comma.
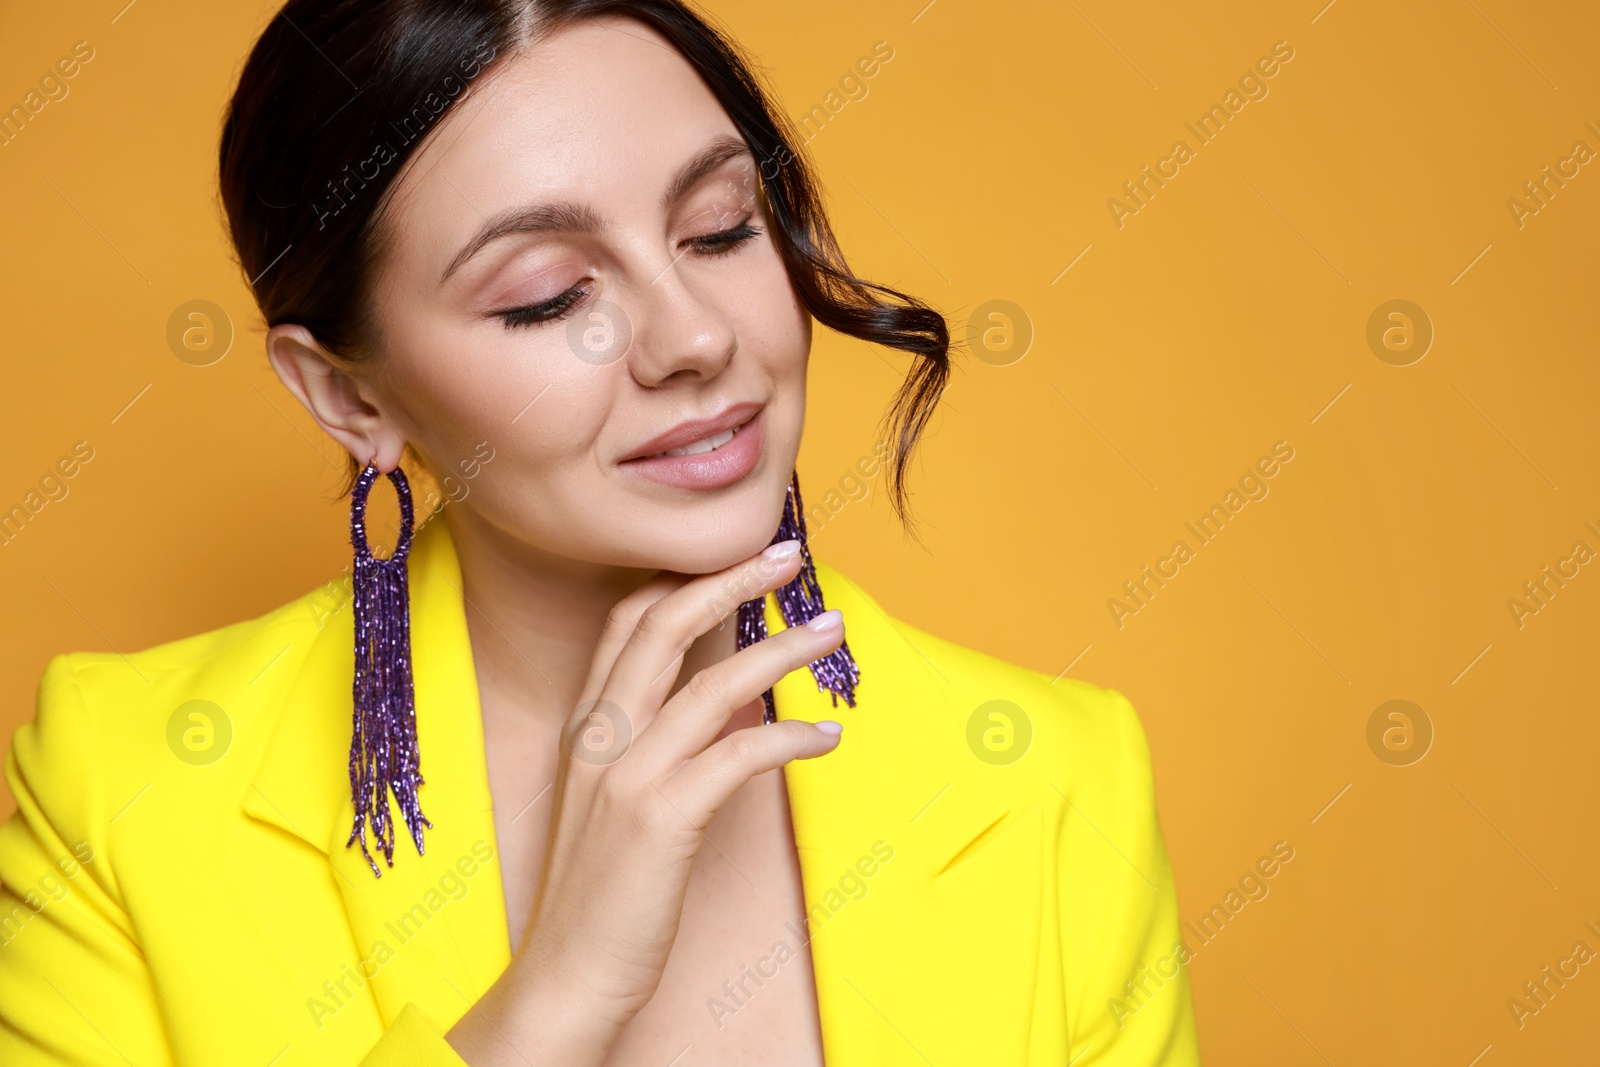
x: 431, y: 929
x: 909, y: 951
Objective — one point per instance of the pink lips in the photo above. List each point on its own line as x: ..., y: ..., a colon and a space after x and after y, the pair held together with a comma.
x: 704, y: 470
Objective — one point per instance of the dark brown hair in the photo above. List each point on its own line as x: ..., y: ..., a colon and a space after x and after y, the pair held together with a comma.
x: 337, y: 94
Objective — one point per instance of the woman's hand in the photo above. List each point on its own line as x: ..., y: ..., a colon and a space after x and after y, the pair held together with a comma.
x: 638, y: 780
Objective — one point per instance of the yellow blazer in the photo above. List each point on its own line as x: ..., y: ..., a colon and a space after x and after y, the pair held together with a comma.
x: 177, y: 890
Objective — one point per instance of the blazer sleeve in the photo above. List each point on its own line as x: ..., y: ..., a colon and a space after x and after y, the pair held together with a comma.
x: 75, y: 990
x: 1130, y: 1003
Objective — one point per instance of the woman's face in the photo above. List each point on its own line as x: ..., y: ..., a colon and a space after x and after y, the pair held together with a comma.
x: 578, y: 262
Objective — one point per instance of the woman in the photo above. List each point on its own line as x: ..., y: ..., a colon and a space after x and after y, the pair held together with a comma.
x: 565, y: 257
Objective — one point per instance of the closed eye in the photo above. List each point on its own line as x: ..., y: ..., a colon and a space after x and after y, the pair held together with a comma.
x: 548, y: 311
x: 726, y: 241
x: 721, y: 243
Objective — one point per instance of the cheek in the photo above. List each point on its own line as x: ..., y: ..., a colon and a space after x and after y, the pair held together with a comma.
x: 772, y: 322
x: 542, y: 482
x: 775, y: 335
x: 520, y: 392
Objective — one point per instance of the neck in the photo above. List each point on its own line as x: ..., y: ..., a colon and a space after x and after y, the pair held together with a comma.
x: 534, y: 619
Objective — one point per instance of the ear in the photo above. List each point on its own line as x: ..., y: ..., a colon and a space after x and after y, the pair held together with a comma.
x: 341, y: 404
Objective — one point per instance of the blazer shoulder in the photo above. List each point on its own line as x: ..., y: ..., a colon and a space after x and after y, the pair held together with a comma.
x: 109, y: 723
x: 1072, y: 721
x: 300, y: 617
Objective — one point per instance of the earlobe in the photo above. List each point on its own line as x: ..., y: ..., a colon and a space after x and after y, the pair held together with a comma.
x: 335, y: 398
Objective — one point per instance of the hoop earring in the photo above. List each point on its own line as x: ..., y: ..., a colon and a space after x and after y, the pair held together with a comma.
x: 383, y: 741
x: 799, y: 602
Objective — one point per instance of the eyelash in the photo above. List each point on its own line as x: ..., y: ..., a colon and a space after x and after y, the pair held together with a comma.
x: 712, y: 245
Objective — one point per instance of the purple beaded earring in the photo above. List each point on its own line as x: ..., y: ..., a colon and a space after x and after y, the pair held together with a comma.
x: 799, y: 601
x: 383, y: 742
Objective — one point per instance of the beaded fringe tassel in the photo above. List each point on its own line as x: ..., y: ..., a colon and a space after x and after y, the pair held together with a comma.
x: 799, y: 602
x: 383, y: 743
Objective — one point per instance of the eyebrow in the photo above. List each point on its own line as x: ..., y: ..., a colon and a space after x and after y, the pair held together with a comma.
x: 568, y: 217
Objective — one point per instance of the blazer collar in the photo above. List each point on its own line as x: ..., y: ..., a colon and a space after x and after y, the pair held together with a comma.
x: 432, y: 929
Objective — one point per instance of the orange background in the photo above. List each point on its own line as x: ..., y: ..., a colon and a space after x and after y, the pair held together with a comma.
x: 1228, y: 313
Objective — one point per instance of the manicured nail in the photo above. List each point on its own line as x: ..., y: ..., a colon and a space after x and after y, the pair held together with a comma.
x: 829, y: 727
x: 781, y: 550
x: 826, y: 621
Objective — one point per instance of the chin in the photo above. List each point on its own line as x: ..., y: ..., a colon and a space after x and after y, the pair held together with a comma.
x: 712, y: 537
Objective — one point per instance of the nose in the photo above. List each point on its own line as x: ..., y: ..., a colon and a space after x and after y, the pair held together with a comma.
x: 679, y: 332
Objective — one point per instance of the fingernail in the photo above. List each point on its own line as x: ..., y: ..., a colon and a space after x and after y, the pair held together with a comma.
x: 781, y: 550
x: 829, y: 727
x: 826, y: 621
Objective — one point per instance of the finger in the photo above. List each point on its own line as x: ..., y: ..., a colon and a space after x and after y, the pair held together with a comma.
x: 619, y: 626
x: 647, y: 666
x: 705, y: 783
x: 691, y: 720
